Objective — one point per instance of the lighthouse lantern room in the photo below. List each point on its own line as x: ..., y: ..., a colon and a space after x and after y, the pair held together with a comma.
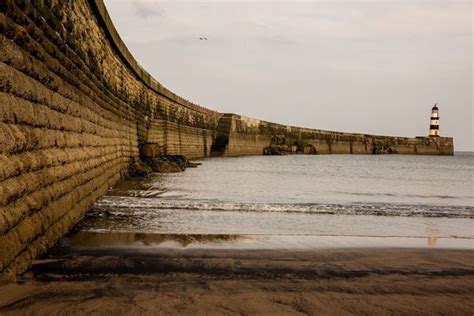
x: 434, y: 125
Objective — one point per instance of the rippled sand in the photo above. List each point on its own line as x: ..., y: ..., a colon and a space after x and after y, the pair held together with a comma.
x: 234, y: 282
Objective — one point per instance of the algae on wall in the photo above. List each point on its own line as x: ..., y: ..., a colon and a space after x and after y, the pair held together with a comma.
x: 240, y: 136
x: 73, y: 113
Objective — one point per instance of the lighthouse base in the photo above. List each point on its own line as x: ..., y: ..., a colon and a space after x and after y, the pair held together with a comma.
x: 434, y: 145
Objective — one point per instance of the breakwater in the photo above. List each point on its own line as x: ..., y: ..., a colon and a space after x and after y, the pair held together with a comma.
x: 77, y: 113
x: 237, y: 135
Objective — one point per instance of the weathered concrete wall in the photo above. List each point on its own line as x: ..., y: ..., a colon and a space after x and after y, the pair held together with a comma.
x: 240, y: 136
x: 75, y: 108
x: 76, y: 111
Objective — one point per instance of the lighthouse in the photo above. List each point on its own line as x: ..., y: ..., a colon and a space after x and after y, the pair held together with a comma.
x: 434, y: 125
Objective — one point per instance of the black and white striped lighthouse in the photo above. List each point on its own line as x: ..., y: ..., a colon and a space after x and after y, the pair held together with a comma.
x: 434, y: 124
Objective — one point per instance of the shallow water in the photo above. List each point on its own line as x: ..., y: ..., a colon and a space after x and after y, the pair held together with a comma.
x: 307, y: 200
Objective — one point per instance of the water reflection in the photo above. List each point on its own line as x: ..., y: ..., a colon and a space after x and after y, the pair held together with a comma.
x: 122, y: 239
x: 432, y: 241
x: 432, y: 231
x: 97, y: 241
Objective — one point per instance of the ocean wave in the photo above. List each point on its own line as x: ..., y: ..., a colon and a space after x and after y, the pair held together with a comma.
x: 407, y: 195
x: 116, y: 204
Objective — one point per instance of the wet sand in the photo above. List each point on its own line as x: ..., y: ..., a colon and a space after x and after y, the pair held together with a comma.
x: 237, y: 282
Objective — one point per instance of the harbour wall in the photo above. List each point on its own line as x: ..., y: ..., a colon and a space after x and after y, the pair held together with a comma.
x: 241, y: 136
x: 76, y: 110
x: 77, y: 113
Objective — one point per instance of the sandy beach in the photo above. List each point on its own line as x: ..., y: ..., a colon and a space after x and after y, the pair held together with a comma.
x: 264, y: 157
x: 235, y: 282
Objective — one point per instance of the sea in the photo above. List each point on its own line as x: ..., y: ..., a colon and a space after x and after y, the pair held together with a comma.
x: 291, y: 202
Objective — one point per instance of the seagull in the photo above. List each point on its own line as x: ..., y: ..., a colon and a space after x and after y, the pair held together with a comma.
x: 203, y: 38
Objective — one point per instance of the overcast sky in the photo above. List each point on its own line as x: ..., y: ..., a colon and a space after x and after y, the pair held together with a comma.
x: 357, y: 66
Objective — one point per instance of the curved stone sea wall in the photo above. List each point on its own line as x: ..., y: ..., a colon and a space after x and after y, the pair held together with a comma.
x: 73, y: 114
x: 77, y: 112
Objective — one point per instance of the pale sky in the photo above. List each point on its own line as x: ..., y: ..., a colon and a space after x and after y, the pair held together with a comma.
x: 357, y: 66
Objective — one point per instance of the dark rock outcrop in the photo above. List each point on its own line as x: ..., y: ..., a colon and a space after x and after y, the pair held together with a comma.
x: 283, y: 146
x: 170, y: 164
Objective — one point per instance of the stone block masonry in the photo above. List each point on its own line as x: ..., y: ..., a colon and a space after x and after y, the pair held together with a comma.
x: 240, y: 136
x: 77, y: 113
